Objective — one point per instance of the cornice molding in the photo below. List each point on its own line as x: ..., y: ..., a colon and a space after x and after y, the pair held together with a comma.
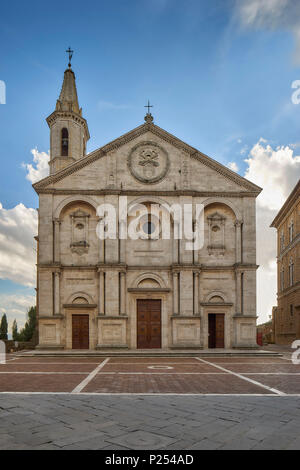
x: 146, y: 192
x: 80, y: 306
x: 68, y: 115
x: 55, y: 267
x: 141, y: 290
x: 216, y: 304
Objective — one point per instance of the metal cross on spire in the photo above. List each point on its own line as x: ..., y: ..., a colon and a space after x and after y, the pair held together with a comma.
x: 148, y: 106
x: 70, y: 52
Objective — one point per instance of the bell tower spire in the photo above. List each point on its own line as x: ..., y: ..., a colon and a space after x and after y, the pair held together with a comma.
x: 68, y: 129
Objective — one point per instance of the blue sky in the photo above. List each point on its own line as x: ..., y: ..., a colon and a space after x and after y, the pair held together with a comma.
x: 216, y: 81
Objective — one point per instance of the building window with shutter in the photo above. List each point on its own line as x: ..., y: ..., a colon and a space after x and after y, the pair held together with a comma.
x: 291, y: 231
x: 282, y: 279
x: 282, y: 241
x: 291, y: 272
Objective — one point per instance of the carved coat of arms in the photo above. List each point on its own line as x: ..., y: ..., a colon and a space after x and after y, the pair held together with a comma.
x: 148, y: 162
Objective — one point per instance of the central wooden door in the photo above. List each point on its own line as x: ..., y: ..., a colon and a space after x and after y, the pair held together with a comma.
x: 80, y: 332
x: 216, y: 330
x: 148, y: 324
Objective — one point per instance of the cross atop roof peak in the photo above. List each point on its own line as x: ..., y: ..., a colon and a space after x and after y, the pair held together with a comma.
x: 148, y: 117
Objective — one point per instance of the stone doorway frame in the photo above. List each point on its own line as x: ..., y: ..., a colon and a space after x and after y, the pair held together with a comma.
x: 165, y: 320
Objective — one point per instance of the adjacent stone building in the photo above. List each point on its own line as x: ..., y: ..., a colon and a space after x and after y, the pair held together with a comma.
x: 286, y: 316
x: 140, y: 294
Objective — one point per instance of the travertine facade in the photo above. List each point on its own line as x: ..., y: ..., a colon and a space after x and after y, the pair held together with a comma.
x: 101, y: 293
x: 286, y: 316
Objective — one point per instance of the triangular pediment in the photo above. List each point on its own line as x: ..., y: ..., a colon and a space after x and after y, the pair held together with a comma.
x: 220, y: 177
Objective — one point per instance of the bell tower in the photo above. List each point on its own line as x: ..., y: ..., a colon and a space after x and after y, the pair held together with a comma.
x: 68, y: 129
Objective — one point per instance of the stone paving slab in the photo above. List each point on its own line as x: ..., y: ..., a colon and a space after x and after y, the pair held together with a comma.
x: 161, y: 422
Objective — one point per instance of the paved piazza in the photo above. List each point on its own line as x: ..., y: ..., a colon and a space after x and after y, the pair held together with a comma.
x: 149, y: 403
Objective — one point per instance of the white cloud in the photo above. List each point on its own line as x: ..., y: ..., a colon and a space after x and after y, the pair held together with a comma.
x: 106, y: 105
x: 271, y: 14
x: 40, y: 168
x: 243, y: 150
x: 15, y: 306
x: 277, y: 172
x: 261, y: 12
x: 18, y: 226
x: 233, y: 166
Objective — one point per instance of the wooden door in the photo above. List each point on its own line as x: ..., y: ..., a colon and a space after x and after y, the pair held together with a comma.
x: 211, y: 330
x: 216, y: 330
x: 80, y: 332
x: 148, y: 324
x: 219, y: 330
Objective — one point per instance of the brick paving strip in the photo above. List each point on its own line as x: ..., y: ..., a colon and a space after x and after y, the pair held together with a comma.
x: 237, y: 369
x: 90, y: 377
x: 44, y: 373
x: 247, y: 379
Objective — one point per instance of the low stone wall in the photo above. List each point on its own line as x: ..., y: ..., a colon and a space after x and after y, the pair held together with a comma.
x: 12, y: 345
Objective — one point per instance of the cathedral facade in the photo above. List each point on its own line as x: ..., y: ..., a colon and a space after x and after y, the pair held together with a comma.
x: 115, y: 293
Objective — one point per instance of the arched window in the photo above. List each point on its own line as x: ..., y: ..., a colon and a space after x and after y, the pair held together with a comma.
x: 64, y: 142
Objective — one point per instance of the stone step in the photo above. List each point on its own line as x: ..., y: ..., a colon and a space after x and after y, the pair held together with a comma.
x: 150, y: 353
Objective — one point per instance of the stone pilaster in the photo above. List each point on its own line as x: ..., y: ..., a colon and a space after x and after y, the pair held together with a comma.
x: 175, y: 293
x: 56, y: 241
x: 56, y: 293
x: 101, y: 306
x: 101, y: 240
x: 123, y: 293
x: 238, y: 241
x: 196, y: 293
x: 175, y: 243
x: 122, y: 242
x: 238, y: 296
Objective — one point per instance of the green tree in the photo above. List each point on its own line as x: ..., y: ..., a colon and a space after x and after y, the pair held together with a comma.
x: 3, y: 327
x: 26, y: 333
x: 14, y: 330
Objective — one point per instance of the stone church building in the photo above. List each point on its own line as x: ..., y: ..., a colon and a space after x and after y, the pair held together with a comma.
x: 112, y: 294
